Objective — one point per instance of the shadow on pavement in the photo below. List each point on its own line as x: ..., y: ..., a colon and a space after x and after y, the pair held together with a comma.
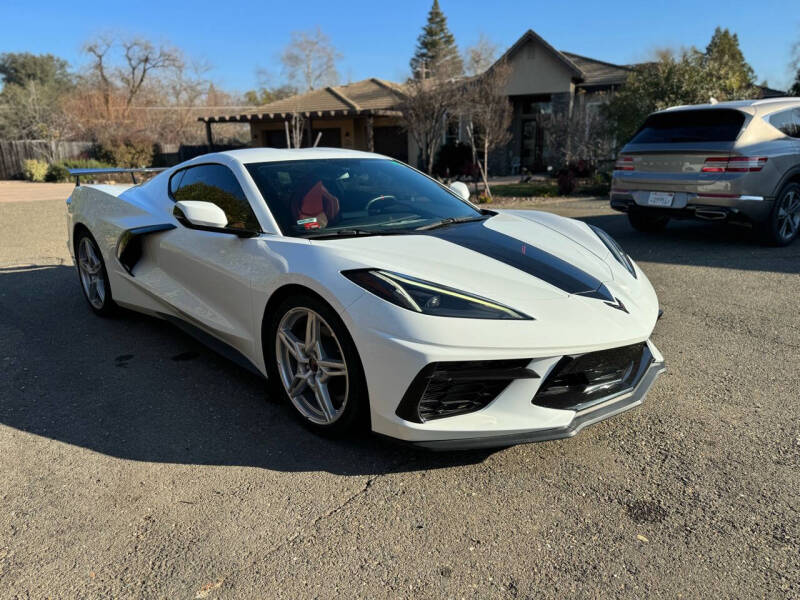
x: 136, y: 388
x: 701, y: 244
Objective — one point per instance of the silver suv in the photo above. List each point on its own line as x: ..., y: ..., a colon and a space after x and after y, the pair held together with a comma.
x: 731, y: 161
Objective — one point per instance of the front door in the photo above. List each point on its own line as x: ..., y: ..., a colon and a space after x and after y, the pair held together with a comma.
x: 532, y: 143
x: 206, y: 274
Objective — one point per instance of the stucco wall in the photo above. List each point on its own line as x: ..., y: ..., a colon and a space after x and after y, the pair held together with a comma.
x: 345, y: 126
x: 536, y: 70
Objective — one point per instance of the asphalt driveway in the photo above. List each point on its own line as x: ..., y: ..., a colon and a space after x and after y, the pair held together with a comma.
x: 138, y: 464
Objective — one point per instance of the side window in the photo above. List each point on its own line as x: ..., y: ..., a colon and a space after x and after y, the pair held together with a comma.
x: 218, y: 185
x: 787, y: 121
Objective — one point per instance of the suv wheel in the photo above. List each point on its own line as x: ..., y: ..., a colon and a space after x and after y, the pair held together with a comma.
x: 784, y: 221
x: 647, y: 222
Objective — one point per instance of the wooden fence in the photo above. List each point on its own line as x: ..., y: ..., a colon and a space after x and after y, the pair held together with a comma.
x: 14, y: 153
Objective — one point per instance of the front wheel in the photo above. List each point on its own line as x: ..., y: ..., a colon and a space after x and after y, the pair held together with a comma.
x: 313, y: 362
x: 783, y: 224
x: 93, y: 275
x: 647, y: 222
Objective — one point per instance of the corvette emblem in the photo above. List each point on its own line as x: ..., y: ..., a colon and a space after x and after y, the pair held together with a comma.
x: 618, y: 305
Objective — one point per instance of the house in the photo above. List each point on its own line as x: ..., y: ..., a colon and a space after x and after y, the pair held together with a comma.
x: 365, y: 116
x: 361, y: 116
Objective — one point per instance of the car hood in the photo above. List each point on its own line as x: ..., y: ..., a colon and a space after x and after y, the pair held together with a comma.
x: 507, y: 257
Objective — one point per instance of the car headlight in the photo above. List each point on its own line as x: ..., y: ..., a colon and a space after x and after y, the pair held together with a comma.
x: 429, y: 298
x: 616, y: 250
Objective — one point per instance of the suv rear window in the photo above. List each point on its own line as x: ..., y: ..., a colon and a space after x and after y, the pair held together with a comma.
x: 707, y: 125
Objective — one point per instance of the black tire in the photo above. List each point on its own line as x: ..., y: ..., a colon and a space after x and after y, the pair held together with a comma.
x: 647, y: 222
x: 355, y: 413
x: 103, y: 306
x: 773, y: 231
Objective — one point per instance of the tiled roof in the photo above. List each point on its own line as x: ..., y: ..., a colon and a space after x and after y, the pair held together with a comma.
x: 362, y: 96
x: 597, y: 72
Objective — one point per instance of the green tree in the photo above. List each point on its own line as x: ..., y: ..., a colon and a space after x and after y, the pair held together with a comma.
x: 31, y: 100
x: 728, y: 76
x: 265, y: 95
x: 668, y: 81
x: 688, y: 77
x: 436, y: 55
x: 18, y: 68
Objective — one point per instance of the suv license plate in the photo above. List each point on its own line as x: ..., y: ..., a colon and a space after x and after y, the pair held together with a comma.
x: 660, y: 199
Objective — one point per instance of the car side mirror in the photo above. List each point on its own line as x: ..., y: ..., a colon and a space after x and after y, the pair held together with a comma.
x: 461, y: 190
x: 206, y: 216
x: 202, y: 214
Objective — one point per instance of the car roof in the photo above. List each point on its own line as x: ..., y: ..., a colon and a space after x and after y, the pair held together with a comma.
x: 258, y: 155
x: 762, y: 105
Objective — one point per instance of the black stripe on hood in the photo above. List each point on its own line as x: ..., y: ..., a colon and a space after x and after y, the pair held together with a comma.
x: 520, y: 255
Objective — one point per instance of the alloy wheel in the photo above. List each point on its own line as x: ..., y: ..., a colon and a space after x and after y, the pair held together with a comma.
x: 90, y: 268
x: 312, y: 366
x: 789, y: 214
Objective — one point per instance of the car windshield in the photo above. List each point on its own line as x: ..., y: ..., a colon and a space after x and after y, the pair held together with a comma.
x: 354, y: 196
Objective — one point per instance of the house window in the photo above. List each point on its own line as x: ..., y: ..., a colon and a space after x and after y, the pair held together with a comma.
x: 451, y: 134
x: 538, y: 104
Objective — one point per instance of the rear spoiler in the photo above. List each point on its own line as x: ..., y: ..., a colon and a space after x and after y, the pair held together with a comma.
x: 78, y: 172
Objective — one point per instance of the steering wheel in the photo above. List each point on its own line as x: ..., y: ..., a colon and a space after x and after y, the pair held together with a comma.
x: 377, y: 200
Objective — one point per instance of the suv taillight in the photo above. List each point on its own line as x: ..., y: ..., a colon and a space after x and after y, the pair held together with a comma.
x: 734, y: 164
x: 624, y: 163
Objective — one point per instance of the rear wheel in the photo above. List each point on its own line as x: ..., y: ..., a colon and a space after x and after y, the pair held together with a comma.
x: 648, y: 222
x: 783, y: 224
x: 313, y: 363
x: 93, y: 275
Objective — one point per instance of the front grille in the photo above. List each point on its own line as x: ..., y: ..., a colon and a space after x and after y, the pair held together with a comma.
x: 579, y: 381
x: 446, y: 389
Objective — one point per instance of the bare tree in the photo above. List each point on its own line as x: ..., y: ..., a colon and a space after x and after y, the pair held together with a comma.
x: 309, y: 60
x: 579, y: 135
x: 481, y: 56
x: 487, y: 112
x: 425, y: 107
x: 294, y: 130
x: 186, y: 88
x: 119, y: 85
x: 141, y: 60
x: 99, y: 49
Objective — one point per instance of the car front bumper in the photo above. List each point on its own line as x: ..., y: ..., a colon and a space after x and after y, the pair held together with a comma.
x: 393, y: 354
x: 589, y: 416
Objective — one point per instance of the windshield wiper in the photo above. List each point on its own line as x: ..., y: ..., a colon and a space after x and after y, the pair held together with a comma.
x: 354, y: 232
x: 451, y: 221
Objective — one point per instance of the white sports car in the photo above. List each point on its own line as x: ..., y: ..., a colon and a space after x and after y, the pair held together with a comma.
x: 369, y: 294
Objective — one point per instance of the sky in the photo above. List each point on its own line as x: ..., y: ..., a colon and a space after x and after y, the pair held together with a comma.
x: 377, y: 39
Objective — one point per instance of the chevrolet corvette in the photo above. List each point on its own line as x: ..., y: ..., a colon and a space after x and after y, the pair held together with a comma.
x: 370, y: 295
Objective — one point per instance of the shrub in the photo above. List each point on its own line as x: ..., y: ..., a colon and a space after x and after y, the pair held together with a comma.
x: 57, y: 172
x: 128, y: 153
x: 85, y: 163
x: 34, y: 169
x: 566, y: 182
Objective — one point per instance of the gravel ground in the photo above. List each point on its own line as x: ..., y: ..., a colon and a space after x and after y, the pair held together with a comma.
x: 138, y: 464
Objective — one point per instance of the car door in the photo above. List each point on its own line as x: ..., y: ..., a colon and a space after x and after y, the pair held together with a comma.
x: 207, y: 274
